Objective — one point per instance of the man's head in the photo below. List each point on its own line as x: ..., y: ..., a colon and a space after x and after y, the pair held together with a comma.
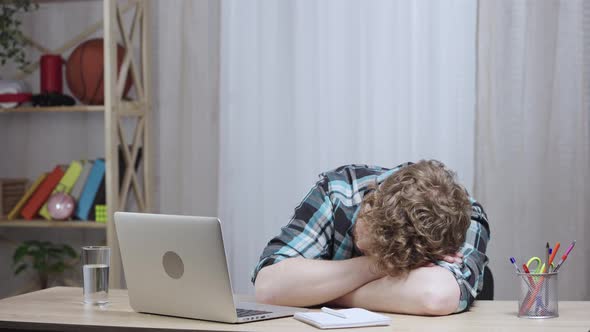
x: 417, y: 215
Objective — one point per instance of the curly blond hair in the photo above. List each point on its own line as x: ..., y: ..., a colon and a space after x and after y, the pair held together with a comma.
x: 416, y: 216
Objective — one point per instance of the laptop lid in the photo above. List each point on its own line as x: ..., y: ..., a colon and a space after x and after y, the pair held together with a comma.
x: 175, y: 265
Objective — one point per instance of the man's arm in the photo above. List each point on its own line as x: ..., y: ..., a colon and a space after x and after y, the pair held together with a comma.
x: 296, y: 268
x: 432, y: 290
x: 424, y: 291
x: 469, y: 274
x: 307, y: 282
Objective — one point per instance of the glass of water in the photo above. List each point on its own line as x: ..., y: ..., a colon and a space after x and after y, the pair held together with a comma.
x: 95, y: 268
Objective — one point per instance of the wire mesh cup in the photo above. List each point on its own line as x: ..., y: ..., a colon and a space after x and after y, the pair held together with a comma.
x: 538, y: 295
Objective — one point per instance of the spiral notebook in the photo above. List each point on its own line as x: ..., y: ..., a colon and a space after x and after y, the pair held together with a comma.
x: 355, y: 317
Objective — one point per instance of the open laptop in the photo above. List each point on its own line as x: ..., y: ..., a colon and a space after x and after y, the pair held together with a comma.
x: 176, y: 266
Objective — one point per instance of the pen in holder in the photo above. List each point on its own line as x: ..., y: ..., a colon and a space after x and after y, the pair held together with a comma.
x: 538, y: 295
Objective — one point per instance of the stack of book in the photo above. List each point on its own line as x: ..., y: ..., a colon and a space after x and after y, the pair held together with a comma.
x: 83, y: 180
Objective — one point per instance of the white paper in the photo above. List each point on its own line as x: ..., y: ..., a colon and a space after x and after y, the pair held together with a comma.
x: 355, y: 317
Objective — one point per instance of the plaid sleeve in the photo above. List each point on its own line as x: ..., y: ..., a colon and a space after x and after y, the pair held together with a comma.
x: 469, y: 275
x: 308, y: 234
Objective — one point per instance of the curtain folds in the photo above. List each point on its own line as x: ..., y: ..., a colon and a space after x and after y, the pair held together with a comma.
x: 532, y: 143
x: 306, y: 86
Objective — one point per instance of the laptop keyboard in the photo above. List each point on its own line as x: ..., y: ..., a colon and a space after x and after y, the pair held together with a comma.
x: 246, y: 312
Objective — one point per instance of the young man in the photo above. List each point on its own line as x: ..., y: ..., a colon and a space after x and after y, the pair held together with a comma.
x: 404, y: 240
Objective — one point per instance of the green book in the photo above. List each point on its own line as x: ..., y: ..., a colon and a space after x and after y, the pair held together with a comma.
x: 65, y: 184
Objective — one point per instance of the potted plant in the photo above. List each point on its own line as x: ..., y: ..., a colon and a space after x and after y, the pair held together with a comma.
x: 46, y: 258
x: 12, y: 40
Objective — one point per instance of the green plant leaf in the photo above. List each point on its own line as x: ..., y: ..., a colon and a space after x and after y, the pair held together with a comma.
x: 70, y: 251
x: 46, y: 257
x: 11, y: 38
x: 55, y: 251
x: 36, y: 253
x: 40, y: 266
x: 19, y: 253
x: 58, y: 267
x: 20, y: 269
x: 55, y: 255
x: 33, y: 243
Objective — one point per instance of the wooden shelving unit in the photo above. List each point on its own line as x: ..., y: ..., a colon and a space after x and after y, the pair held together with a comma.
x: 75, y: 108
x: 115, y: 109
x: 19, y: 223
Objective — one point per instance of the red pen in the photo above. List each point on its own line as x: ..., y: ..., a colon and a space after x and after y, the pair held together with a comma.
x: 530, y: 298
x: 531, y: 286
x: 526, y: 270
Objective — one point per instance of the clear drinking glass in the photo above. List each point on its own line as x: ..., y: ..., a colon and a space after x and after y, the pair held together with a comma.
x: 95, y: 269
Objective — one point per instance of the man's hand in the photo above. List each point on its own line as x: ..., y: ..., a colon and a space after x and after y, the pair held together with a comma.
x: 355, y: 282
x: 456, y: 258
x: 424, y: 291
x: 453, y: 259
x: 306, y: 282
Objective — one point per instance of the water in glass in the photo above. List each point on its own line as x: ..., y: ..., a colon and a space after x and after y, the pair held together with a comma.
x: 96, y: 283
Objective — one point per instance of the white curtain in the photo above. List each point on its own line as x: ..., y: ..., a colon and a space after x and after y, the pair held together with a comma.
x: 186, y: 76
x: 533, y: 151
x: 307, y: 86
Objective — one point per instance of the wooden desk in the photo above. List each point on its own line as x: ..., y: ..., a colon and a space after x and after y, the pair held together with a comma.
x: 61, y: 309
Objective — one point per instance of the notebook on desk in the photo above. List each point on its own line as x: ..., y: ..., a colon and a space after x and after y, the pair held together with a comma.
x: 355, y: 317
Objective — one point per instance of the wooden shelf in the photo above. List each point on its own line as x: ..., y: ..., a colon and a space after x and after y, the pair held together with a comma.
x: 126, y: 22
x: 75, y: 108
x: 51, y: 224
x: 59, y: 1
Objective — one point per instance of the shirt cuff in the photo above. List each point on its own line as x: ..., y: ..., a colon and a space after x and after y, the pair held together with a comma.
x: 467, y: 292
x: 268, y: 260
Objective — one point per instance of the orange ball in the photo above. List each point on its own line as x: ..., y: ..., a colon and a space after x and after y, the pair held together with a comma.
x: 85, y: 71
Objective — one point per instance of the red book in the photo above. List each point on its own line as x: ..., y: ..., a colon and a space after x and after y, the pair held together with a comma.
x: 42, y: 193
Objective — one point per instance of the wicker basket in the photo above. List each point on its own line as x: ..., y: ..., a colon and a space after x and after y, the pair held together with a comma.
x: 11, y: 191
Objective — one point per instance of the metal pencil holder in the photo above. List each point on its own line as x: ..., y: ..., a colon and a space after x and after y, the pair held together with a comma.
x: 538, y: 295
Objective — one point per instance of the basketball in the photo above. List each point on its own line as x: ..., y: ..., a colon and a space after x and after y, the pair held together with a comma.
x: 85, y: 74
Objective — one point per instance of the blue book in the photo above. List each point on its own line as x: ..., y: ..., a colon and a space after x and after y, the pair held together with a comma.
x: 85, y: 203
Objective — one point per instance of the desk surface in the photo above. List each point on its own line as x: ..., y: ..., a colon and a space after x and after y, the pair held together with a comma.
x: 61, y: 309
